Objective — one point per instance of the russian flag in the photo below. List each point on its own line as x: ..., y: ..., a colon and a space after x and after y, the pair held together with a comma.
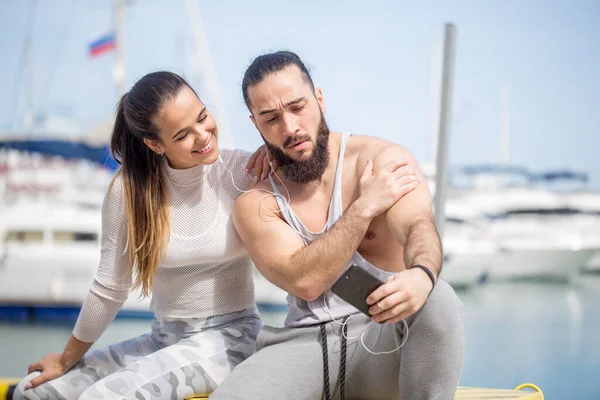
x: 102, y: 45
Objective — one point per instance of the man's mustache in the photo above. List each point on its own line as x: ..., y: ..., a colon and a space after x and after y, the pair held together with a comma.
x: 293, y: 139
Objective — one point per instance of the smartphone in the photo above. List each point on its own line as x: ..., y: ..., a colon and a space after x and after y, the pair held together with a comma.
x: 355, y: 285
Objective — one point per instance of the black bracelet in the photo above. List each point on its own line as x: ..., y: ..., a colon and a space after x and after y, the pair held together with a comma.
x: 427, y: 271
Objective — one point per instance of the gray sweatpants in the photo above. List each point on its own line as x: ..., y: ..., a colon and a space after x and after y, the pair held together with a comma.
x: 288, y: 363
x: 179, y: 358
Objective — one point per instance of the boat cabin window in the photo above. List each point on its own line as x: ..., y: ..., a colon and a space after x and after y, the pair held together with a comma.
x: 63, y: 236
x: 24, y: 236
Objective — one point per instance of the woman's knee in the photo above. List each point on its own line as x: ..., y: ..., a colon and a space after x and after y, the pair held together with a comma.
x: 46, y: 390
x: 68, y: 386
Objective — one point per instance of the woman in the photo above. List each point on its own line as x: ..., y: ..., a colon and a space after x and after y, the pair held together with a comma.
x: 167, y: 230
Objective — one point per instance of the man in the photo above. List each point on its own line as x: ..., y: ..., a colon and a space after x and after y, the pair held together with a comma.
x: 341, y: 200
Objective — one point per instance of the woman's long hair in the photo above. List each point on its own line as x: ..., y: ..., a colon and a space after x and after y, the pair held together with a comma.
x: 141, y: 171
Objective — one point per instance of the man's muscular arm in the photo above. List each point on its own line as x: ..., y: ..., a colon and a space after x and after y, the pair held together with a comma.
x: 411, y: 222
x: 423, y: 245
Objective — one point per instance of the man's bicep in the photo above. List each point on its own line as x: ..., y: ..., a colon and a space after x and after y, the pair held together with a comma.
x: 414, y: 205
x: 270, y: 241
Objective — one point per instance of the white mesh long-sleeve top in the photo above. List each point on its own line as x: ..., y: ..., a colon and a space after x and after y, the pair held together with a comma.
x: 206, y: 270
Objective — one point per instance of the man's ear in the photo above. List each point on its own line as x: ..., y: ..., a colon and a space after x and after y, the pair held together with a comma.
x: 320, y: 99
x: 154, y: 145
x: 254, y: 121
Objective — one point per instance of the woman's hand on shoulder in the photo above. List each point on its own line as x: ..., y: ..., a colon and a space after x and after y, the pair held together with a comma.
x: 259, y: 163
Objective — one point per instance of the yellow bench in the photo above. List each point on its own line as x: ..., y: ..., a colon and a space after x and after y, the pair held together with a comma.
x: 463, y: 393
x: 469, y: 393
x: 6, y: 387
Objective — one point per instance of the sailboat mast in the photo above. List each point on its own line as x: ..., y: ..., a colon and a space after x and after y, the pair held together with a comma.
x: 30, y: 113
x: 209, y: 76
x: 504, y: 141
x: 119, y: 71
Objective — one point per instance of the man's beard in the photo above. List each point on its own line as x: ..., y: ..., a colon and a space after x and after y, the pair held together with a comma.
x: 309, y: 170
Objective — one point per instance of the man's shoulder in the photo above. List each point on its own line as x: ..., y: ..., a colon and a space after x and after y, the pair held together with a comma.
x: 371, y: 147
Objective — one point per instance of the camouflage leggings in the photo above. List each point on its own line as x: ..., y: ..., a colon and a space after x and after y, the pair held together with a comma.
x: 180, y: 357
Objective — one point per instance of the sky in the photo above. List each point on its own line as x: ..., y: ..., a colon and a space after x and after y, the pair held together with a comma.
x: 531, y: 66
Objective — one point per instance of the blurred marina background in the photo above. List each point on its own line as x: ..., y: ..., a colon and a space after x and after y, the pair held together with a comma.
x: 522, y: 212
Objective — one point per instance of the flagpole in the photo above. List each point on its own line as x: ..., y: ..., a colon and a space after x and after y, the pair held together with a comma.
x: 119, y: 71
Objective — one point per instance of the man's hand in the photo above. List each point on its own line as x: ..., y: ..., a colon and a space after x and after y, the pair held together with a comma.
x: 400, y: 297
x: 379, y: 191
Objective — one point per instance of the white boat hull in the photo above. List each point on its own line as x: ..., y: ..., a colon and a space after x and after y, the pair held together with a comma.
x: 555, y: 264
x: 40, y: 275
x: 463, y: 270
